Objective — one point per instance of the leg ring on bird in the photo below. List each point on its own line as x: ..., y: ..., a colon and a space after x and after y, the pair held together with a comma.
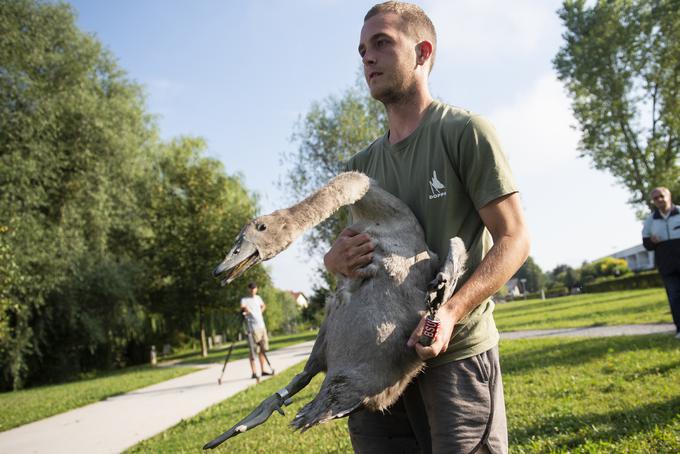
x: 429, y: 331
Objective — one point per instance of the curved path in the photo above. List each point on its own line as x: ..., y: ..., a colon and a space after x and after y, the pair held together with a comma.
x: 117, y: 423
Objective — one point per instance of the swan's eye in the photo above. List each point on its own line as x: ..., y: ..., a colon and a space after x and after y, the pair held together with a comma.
x: 261, y: 227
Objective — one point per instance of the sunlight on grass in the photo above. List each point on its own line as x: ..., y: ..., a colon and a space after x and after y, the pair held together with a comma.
x: 275, y: 436
x: 596, y: 309
x: 618, y: 394
x: 563, y: 395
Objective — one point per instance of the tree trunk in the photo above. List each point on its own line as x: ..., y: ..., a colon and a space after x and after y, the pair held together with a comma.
x: 204, y: 343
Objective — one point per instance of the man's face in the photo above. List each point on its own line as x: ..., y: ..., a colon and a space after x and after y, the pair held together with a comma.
x: 253, y: 291
x: 661, y: 200
x: 389, y: 58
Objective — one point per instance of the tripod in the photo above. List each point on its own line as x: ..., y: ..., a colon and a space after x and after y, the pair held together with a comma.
x: 245, y: 324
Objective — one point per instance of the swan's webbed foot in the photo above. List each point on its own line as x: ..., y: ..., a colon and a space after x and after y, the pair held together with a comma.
x: 443, y: 285
x: 437, y: 283
x: 254, y: 419
x: 271, y: 403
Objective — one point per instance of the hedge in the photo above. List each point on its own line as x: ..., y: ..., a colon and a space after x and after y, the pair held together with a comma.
x: 646, y: 279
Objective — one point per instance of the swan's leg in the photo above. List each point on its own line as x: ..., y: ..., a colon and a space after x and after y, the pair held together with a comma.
x: 315, y: 364
x: 266, y: 408
x: 453, y: 269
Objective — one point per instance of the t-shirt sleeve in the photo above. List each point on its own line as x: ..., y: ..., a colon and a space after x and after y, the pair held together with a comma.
x: 481, y: 164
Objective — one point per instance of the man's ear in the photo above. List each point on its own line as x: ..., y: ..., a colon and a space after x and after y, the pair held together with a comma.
x: 425, y: 49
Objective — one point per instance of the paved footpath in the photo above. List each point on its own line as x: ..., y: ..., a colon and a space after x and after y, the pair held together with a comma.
x: 117, y: 423
x: 594, y: 331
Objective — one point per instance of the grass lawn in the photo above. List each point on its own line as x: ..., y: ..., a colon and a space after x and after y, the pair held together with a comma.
x: 217, y: 355
x: 22, y: 407
x: 595, y: 309
x: 614, y: 395
x: 593, y: 395
x: 30, y: 405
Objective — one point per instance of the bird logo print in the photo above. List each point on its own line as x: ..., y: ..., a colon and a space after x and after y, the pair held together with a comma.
x: 436, y: 187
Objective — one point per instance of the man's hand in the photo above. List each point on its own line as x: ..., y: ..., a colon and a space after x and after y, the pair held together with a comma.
x: 447, y: 321
x: 351, y: 251
x: 655, y: 239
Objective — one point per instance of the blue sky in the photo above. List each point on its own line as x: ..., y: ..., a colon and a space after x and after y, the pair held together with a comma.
x: 241, y: 73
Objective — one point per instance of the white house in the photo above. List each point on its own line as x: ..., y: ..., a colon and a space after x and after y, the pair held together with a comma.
x: 300, y: 299
x: 638, y: 258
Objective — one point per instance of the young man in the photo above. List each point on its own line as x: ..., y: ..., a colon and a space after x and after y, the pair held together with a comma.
x: 252, y: 308
x: 661, y: 234
x: 446, y: 165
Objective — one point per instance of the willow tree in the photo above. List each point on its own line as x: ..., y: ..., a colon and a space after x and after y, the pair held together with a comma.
x: 73, y: 136
x: 620, y: 63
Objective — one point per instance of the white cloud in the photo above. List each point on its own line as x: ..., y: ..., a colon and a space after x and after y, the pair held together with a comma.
x: 536, y: 128
x: 480, y: 29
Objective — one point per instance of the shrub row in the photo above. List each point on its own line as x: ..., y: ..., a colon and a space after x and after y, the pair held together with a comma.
x: 646, y: 279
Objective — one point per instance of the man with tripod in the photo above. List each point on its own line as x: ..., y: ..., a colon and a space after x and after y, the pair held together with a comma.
x: 253, y: 307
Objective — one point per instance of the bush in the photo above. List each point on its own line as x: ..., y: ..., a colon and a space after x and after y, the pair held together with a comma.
x: 643, y: 280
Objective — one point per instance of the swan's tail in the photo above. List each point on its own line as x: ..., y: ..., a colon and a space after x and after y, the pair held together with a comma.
x: 337, y: 398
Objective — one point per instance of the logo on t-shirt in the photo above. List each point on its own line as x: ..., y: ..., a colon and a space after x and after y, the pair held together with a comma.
x: 436, y: 187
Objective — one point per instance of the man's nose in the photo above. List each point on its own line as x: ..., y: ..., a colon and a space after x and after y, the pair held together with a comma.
x: 368, y: 59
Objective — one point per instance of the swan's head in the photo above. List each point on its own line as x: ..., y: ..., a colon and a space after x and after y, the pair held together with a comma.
x: 261, y: 239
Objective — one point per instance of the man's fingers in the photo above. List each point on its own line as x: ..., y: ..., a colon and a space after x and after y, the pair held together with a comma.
x: 347, y: 232
x: 425, y: 353
x: 415, y: 335
x: 362, y: 250
x: 358, y: 240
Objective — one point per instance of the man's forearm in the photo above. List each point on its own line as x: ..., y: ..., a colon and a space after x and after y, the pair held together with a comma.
x: 500, y: 264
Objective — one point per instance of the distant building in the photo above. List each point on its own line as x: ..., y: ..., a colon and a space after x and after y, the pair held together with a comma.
x: 514, y: 287
x: 300, y: 299
x: 638, y: 258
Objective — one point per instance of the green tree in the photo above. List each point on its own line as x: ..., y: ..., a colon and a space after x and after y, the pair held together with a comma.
x: 197, y: 212
x: 282, y: 314
x: 73, y: 141
x: 620, y: 63
x: 606, y: 267
x: 563, y: 276
x: 535, y: 278
x: 330, y: 133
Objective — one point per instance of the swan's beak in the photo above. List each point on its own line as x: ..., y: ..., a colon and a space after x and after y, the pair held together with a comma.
x: 242, y: 256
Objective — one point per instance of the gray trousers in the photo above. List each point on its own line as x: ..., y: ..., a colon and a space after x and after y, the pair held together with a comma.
x: 457, y: 407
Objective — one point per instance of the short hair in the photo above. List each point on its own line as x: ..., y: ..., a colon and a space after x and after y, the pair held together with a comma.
x: 661, y: 189
x: 416, y: 22
x: 252, y: 285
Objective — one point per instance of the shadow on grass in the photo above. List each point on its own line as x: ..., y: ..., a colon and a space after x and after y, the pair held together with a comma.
x: 608, y: 426
x: 575, y: 352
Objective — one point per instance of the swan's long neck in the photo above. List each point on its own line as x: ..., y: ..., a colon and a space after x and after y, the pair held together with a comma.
x: 342, y: 190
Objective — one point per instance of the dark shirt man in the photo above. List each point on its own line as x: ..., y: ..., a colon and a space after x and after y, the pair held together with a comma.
x: 661, y: 234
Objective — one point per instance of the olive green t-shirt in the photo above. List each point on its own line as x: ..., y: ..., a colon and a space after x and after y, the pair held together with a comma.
x: 445, y: 171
